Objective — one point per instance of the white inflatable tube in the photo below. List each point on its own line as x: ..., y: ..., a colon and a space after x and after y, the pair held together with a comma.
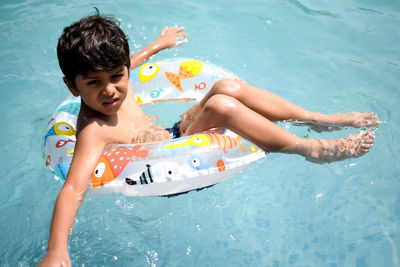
x: 157, y: 168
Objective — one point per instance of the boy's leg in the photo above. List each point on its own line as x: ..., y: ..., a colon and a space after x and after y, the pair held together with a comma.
x: 275, y: 108
x: 225, y: 111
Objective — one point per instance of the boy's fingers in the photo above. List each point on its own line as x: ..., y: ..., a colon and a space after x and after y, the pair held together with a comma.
x: 178, y: 31
x: 164, y: 30
x: 176, y: 28
x: 184, y: 41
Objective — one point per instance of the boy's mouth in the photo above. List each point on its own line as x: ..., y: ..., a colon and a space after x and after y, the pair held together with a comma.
x: 110, y: 103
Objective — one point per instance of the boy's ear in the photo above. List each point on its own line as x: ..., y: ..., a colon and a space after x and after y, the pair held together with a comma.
x: 71, y: 87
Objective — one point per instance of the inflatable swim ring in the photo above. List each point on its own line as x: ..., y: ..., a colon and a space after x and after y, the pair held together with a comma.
x: 156, y: 168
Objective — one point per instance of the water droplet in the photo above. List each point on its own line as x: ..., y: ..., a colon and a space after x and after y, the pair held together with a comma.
x: 188, y: 250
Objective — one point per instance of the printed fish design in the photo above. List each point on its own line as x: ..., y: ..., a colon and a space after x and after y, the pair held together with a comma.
x: 112, y: 163
x: 48, y: 160
x: 200, y: 86
x: 198, y: 163
x: 156, y: 92
x: 219, y: 141
x: 61, y: 143
x: 253, y: 149
x: 148, y: 71
x: 160, y: 172
x: 60, y: 128
x: 63, y: 167
x: 221, y: 165
x: 187, y: 69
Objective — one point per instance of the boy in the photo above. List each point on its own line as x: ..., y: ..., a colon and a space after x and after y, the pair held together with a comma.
x: 93, y: 54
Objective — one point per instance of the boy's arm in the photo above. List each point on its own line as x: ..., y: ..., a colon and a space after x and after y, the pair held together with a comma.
x: 167, y: 39
x: 87, y: 151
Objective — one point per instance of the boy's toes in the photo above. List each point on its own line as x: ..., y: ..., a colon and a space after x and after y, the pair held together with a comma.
x: 367, y: 140
x: 368, y: 136
x: 364, y: 151
x: 366, y: 145
x: 371, y: 119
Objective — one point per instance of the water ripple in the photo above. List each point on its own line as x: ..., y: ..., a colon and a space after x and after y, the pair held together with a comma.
x: 313, y: 12
x: 369, y: 10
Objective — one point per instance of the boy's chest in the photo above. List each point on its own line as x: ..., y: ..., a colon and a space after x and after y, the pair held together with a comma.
x: 127, y: 127
x: 132, y: 125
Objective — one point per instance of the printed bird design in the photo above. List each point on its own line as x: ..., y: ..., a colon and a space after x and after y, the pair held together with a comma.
x: 112, y: 163
x: 217, y: 141
x: 148, y: 71
x: 187, y: 69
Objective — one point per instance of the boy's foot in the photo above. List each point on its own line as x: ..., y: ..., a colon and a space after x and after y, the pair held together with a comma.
x: 332, y: 122
x: 321, y: 151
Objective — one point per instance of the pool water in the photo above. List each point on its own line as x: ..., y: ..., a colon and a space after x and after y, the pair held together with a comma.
x: 336, y: 56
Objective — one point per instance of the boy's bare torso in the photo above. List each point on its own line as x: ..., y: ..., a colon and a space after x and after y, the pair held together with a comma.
x: 130, y: 125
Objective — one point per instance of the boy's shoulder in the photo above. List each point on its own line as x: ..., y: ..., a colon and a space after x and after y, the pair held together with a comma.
x: 92, y: 126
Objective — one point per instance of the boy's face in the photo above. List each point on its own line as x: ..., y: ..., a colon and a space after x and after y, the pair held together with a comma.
x: 102, y: 91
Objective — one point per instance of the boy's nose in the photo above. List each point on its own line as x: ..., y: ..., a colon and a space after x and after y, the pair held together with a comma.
x: 109, y: 89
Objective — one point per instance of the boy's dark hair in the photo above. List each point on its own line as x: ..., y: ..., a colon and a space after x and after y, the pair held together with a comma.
x: 94, y: 43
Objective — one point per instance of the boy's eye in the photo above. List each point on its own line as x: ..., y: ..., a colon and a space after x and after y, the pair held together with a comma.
x: 117, y: 76
x: 92, y: 82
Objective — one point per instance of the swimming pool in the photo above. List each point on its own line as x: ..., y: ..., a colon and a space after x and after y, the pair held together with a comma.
x: 284, y: 211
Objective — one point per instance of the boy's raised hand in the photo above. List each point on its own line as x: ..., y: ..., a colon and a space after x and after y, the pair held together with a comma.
x: 171, y: 37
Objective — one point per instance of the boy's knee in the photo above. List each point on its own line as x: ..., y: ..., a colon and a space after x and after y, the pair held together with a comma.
x: 221, y: 106
x: 227, y: 87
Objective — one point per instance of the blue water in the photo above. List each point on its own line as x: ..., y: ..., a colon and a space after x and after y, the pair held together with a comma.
x: 328, y: 56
